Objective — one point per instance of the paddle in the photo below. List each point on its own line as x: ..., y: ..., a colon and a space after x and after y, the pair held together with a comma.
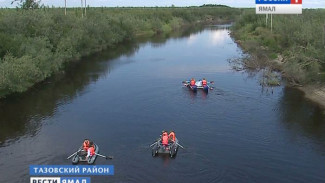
x: 73, y: 154
x: 179, y: 145
x: 109, y: 157
x: 210, y: 87
x: 185, y: 83
x: 153, y: 144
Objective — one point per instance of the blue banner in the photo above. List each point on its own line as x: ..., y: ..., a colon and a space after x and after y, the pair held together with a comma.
x: 272, y: 1
x: 71, y: 170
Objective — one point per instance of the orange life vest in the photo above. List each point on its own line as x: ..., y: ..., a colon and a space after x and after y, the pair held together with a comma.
x: 192, y: 83
x: 172, y: 136
x: 86, y: 145
x: 204, y: 82
x: 92, y: 150
x: 164, y: 140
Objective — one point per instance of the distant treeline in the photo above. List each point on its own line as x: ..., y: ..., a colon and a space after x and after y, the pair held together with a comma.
x: 215, y: 5
x: 298, y: 39
x: 35, y: 44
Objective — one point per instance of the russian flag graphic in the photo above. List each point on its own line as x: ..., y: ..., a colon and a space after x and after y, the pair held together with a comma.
x: 278, y: 1
x: 296, y: 2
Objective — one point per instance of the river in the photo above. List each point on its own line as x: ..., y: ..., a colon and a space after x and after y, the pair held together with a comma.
x: 123, y: 98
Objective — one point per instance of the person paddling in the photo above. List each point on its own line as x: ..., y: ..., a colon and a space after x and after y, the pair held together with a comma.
x: 204, y: 82
x: 91, y: 150
x: 192, y: 82
x: 85, y: 145
x: 172, y: 136
x: 164, y: 138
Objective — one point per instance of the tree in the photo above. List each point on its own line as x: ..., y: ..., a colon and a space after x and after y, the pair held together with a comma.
x: 324, y: 36
x: 65, y: 7
x: 28, y: 4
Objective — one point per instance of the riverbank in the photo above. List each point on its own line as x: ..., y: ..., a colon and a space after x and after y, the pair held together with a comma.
x: 315, y: 93
x: 35, y: 44
x: 294, y: 47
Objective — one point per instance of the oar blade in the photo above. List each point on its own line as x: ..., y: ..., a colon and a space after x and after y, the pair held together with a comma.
x: 106, y: 157
x: 180, y: 145
x: 73, y: 154
x: 153, y: 144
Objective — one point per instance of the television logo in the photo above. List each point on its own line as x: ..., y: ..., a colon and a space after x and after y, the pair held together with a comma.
x: 59, y: 180
x: 278, y: 6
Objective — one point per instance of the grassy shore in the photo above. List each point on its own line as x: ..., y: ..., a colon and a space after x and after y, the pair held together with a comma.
x: 35, y: 44
x: 295, y: 45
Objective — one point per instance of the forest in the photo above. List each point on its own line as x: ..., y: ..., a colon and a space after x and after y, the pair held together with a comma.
x: 37, y: 42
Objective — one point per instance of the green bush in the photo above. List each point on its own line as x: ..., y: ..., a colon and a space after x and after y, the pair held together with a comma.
x: 17, y: 74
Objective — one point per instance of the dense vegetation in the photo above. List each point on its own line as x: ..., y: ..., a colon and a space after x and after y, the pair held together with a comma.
x: 298, y: 39
x: 36, y: 43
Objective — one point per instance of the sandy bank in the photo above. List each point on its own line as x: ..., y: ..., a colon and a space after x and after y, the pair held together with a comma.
x: 315, y: 93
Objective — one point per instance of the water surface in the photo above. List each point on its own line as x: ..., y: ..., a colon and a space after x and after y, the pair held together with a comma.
x: 123, y: 98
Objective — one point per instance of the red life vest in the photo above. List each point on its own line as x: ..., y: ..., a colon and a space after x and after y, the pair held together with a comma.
x: 204, y: 82
x: 172, y: 136
x: 192, y: 83
x: 164, y: 140
x: 92, y: 150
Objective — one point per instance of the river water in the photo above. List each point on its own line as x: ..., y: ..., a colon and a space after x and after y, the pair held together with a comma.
x: 123, y: 98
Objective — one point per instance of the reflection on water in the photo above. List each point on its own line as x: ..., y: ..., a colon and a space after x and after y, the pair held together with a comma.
x: 41, y: 101
x: 191, y: 39
x: 216, y: 38
x: 302, y: 117
x: 219, y: 37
